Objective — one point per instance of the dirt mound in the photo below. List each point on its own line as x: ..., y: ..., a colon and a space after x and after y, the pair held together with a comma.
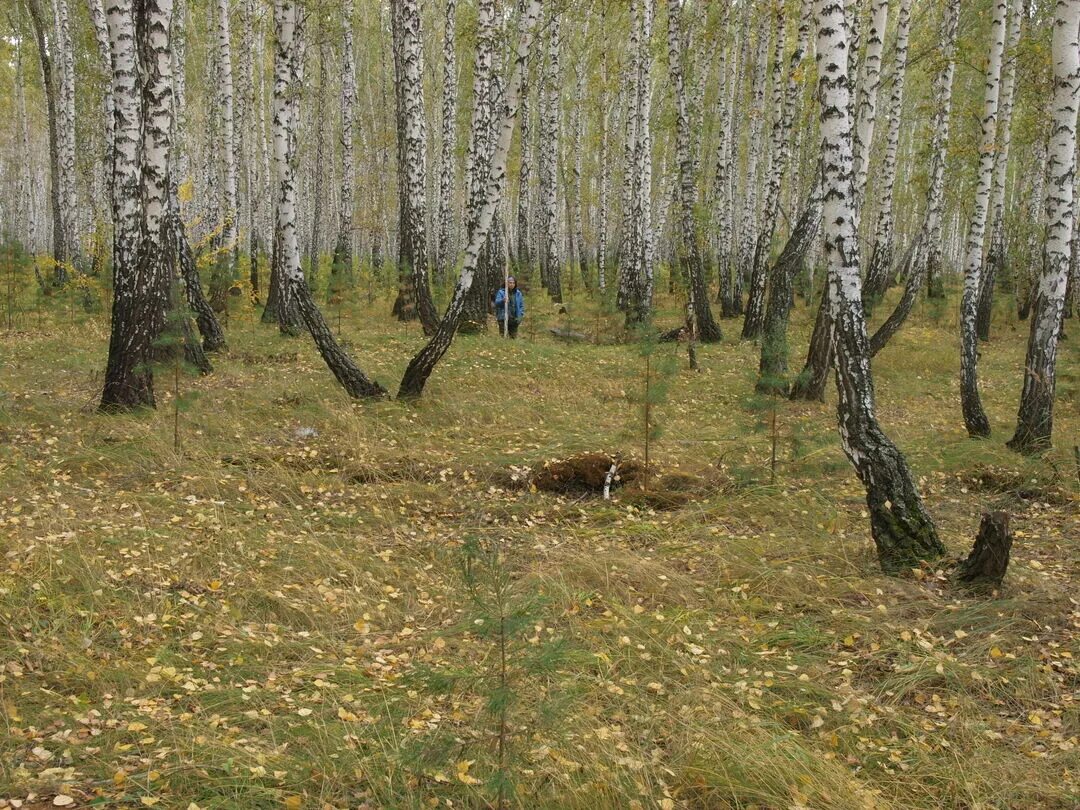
x: 586, y: 472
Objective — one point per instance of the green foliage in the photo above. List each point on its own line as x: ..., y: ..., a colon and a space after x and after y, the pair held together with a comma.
x: 518, y: 683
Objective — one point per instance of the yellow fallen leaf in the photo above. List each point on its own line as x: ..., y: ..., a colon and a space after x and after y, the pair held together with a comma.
x: 362, y: 627
x: 214, y: 585
x: 995, y: 652
x: 119, y: 778
x: 463, y: 772
x: 294, y: 802
x: 149, y: 801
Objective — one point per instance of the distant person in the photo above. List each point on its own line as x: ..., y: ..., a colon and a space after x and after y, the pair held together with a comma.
x: 517, y: 307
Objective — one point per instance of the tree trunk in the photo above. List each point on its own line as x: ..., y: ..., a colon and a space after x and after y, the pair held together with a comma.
x: 317, y: 192
x: 704, y: 328
x: 869, y: 84
x: 475, y: 306
x: 723, y: 182
x: 748, y: 223
x: 59, y: 245
x: 637, y: 274
x: 773, y: 366
x: 988, y: 561
x: 445, y: 253
x: 974, y: 417
x: 878, y: 274
x: 101, y: 36
x: 342, y: 266
x: 229, y: 241
x: 811, y: 382
x: 288, y: 77
x: 421, y: 366
x: 577, y: 212
x: 995, y: 259
x: 551, y: 267
x: 69, y: 201
x: 412, y: 164
x: 1035, y: 420
x: 902, y: 530
x: 925, y: 252
x: 784, y: 101
x: 141, y: 273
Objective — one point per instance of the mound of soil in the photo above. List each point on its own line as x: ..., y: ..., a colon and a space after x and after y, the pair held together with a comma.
x: 586, y: 473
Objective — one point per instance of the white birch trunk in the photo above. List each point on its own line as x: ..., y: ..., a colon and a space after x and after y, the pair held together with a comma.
x: 228, y: 134
x: 101, y: 37
x: 343, y: 249
x: 141, y: 270
x: 1035, y: 420
x: 551, y: 268
x: 902, y: 530
x: 65, y: 60
x: 445, y: 252
x: 701, y: 323
x: 748, y: 222
x: 785, y: 98
x: 995, y: 254
x: 877, y: 275
x: 869, y: 86
x: 974, y: 418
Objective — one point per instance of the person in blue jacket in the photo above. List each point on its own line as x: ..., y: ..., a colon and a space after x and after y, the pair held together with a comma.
x: 517, y: 307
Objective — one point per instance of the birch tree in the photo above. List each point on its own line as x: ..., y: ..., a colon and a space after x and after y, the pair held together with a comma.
x: 636, y: 282
x: 287, y: 76
x: 445, y: 253
x: 785, y: 99
x: 141, y: 57
x: 228, y: 143
x: 69, y: 200
x: 412, y: 163
x: 926, y: 250
x: 902, y: 529
x: 881, y: 255
x: 974, y: 417
x: 60, y: 253
x: 1036, y: 416
x: 474, y: 307
x: 551, y: 266
x: 869, y: 85
x: 748, y: 222
x: 702, y: 326
x: 995, y: 254
x: 343, y: 243
x: 101, y: 37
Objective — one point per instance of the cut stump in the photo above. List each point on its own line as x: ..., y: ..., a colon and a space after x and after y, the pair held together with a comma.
x: 989, y: 559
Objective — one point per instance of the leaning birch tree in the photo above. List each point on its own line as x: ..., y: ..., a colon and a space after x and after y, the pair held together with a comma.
x: 902, y: 529
x: 287, y: 78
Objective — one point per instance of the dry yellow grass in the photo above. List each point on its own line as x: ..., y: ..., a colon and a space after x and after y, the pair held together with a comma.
x: 244, y: 624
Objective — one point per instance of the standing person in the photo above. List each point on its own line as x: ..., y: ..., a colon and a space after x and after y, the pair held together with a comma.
x: 517, y: 307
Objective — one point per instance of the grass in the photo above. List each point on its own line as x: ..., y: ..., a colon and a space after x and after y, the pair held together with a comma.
x: 247, y: 623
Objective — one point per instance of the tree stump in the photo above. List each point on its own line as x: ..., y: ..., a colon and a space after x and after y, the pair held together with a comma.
x: 989, y: 559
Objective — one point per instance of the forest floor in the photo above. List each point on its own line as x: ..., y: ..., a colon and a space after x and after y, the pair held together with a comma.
x: 318, y: 603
